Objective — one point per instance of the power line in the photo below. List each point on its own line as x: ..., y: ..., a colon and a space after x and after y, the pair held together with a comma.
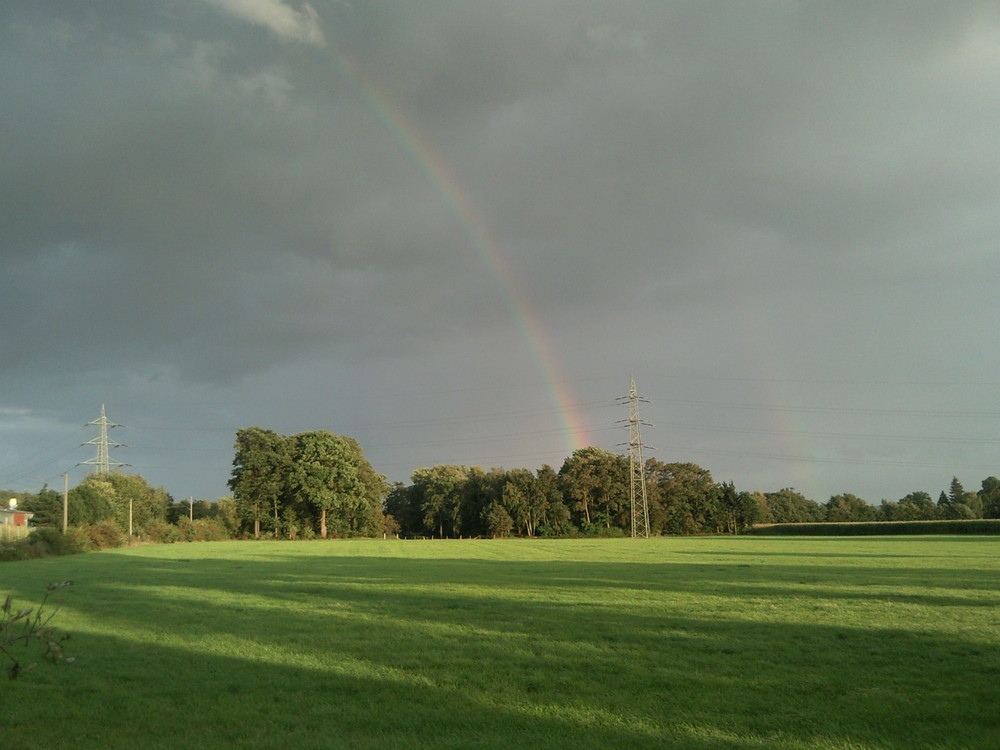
x: 839, y: 410
x: 825, y: 460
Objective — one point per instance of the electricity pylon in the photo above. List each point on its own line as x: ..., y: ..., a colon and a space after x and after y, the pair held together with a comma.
x: 102, y: 462
x: 637, y: 481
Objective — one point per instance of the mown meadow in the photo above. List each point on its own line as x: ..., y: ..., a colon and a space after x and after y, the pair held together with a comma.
x: 810, y: 643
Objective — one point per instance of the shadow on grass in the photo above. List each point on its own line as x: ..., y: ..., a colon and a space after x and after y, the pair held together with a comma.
x: 393, y: 652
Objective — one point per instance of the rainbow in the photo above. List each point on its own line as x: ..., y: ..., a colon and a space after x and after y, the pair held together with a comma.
x: 422, y: 152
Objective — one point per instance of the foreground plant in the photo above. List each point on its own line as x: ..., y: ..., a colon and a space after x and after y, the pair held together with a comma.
x: 25, y: 627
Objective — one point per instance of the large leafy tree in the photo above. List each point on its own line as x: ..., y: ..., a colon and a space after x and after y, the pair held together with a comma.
x: 848, y: 507
x: 260, y: 474
x: 481, y: 495
x: 524, y: 499
x: 789, y: 506
x: 958, y: 503
x: 498, y: 521
x: 684, y: 499
x: 88, y: 504
x: 403, y: 505
x: 740, y: 510
x: 324, y: 475
x: 916, y: 506
x: 441, y: 490
x: 369, y: 516
x: 556, y: 518
x: 990, y: 497
x: 596, y: 484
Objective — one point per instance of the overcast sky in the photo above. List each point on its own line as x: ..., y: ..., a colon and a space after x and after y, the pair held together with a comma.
x: 453, y: 229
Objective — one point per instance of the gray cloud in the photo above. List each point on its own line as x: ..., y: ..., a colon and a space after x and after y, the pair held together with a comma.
x: 739, y: 203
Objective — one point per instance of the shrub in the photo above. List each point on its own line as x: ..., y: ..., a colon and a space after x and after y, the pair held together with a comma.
x: 879, y: 528
x: 161, y: 532
x: 202, y: 530
x: 41, y: 542
x: 51, y: 541
x: 210, y: 530
x: 79, y: 538
x: 185, y: 529
x: 13, y: 551
x: 104, y: 535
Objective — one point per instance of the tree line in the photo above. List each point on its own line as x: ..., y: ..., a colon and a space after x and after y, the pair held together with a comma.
x: 313, y: 483
x: 318, y: 484
x: 590, y: 495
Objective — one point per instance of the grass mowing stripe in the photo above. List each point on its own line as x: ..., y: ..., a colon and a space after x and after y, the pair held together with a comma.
x: 878, y: 643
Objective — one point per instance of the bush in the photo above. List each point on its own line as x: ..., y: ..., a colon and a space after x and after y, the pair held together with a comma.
x: 185, y: 529
x: 41, y: 542
x: 161, y: 532
x: 202, y: 530
x: 13, y: 551
x: 79, y: 538
x: 210, y: 530
x: 48, y: 541
x: 880, y: 528
x: 104, y: 535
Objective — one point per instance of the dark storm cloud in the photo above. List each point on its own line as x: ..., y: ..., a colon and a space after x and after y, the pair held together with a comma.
x: 216, y: 191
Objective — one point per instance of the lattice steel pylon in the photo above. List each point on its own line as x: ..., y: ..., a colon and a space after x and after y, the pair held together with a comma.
x: 102, y: 462
x: 637, y: 482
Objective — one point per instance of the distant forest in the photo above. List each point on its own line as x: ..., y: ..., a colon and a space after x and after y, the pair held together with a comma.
x: 318, y: 484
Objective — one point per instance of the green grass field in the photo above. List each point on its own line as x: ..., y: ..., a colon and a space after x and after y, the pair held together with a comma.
x: 786, y: 643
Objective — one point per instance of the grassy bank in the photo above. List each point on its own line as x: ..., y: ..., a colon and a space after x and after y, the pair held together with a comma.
x: 787, y: 643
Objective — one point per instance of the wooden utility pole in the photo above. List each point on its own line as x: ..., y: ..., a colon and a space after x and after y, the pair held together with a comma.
x: 65, y: 523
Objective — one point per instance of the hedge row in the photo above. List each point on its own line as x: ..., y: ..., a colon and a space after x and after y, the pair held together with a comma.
x: 879, y: 528
x: 47, y: 541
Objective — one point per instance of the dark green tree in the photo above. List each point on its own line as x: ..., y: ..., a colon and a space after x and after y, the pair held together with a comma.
x: 260, y: 475
x: 87, y: 504
x: 740, y: 509
x: 848, y: 507
x: 441, y: 491
x: 480, y: 490
x: 788, y: 506
x: 324, y: 477
x: 47, y: 506
x: 915, y: 506
x: 958, y: 503
x: 403, y: 504
x: 595, y: 483
x: 368, y: 515
x: 556, y: 518
x: 524, y: 500
x: 498, y: 521
x: 989, y: 495
x: 684, y: 499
